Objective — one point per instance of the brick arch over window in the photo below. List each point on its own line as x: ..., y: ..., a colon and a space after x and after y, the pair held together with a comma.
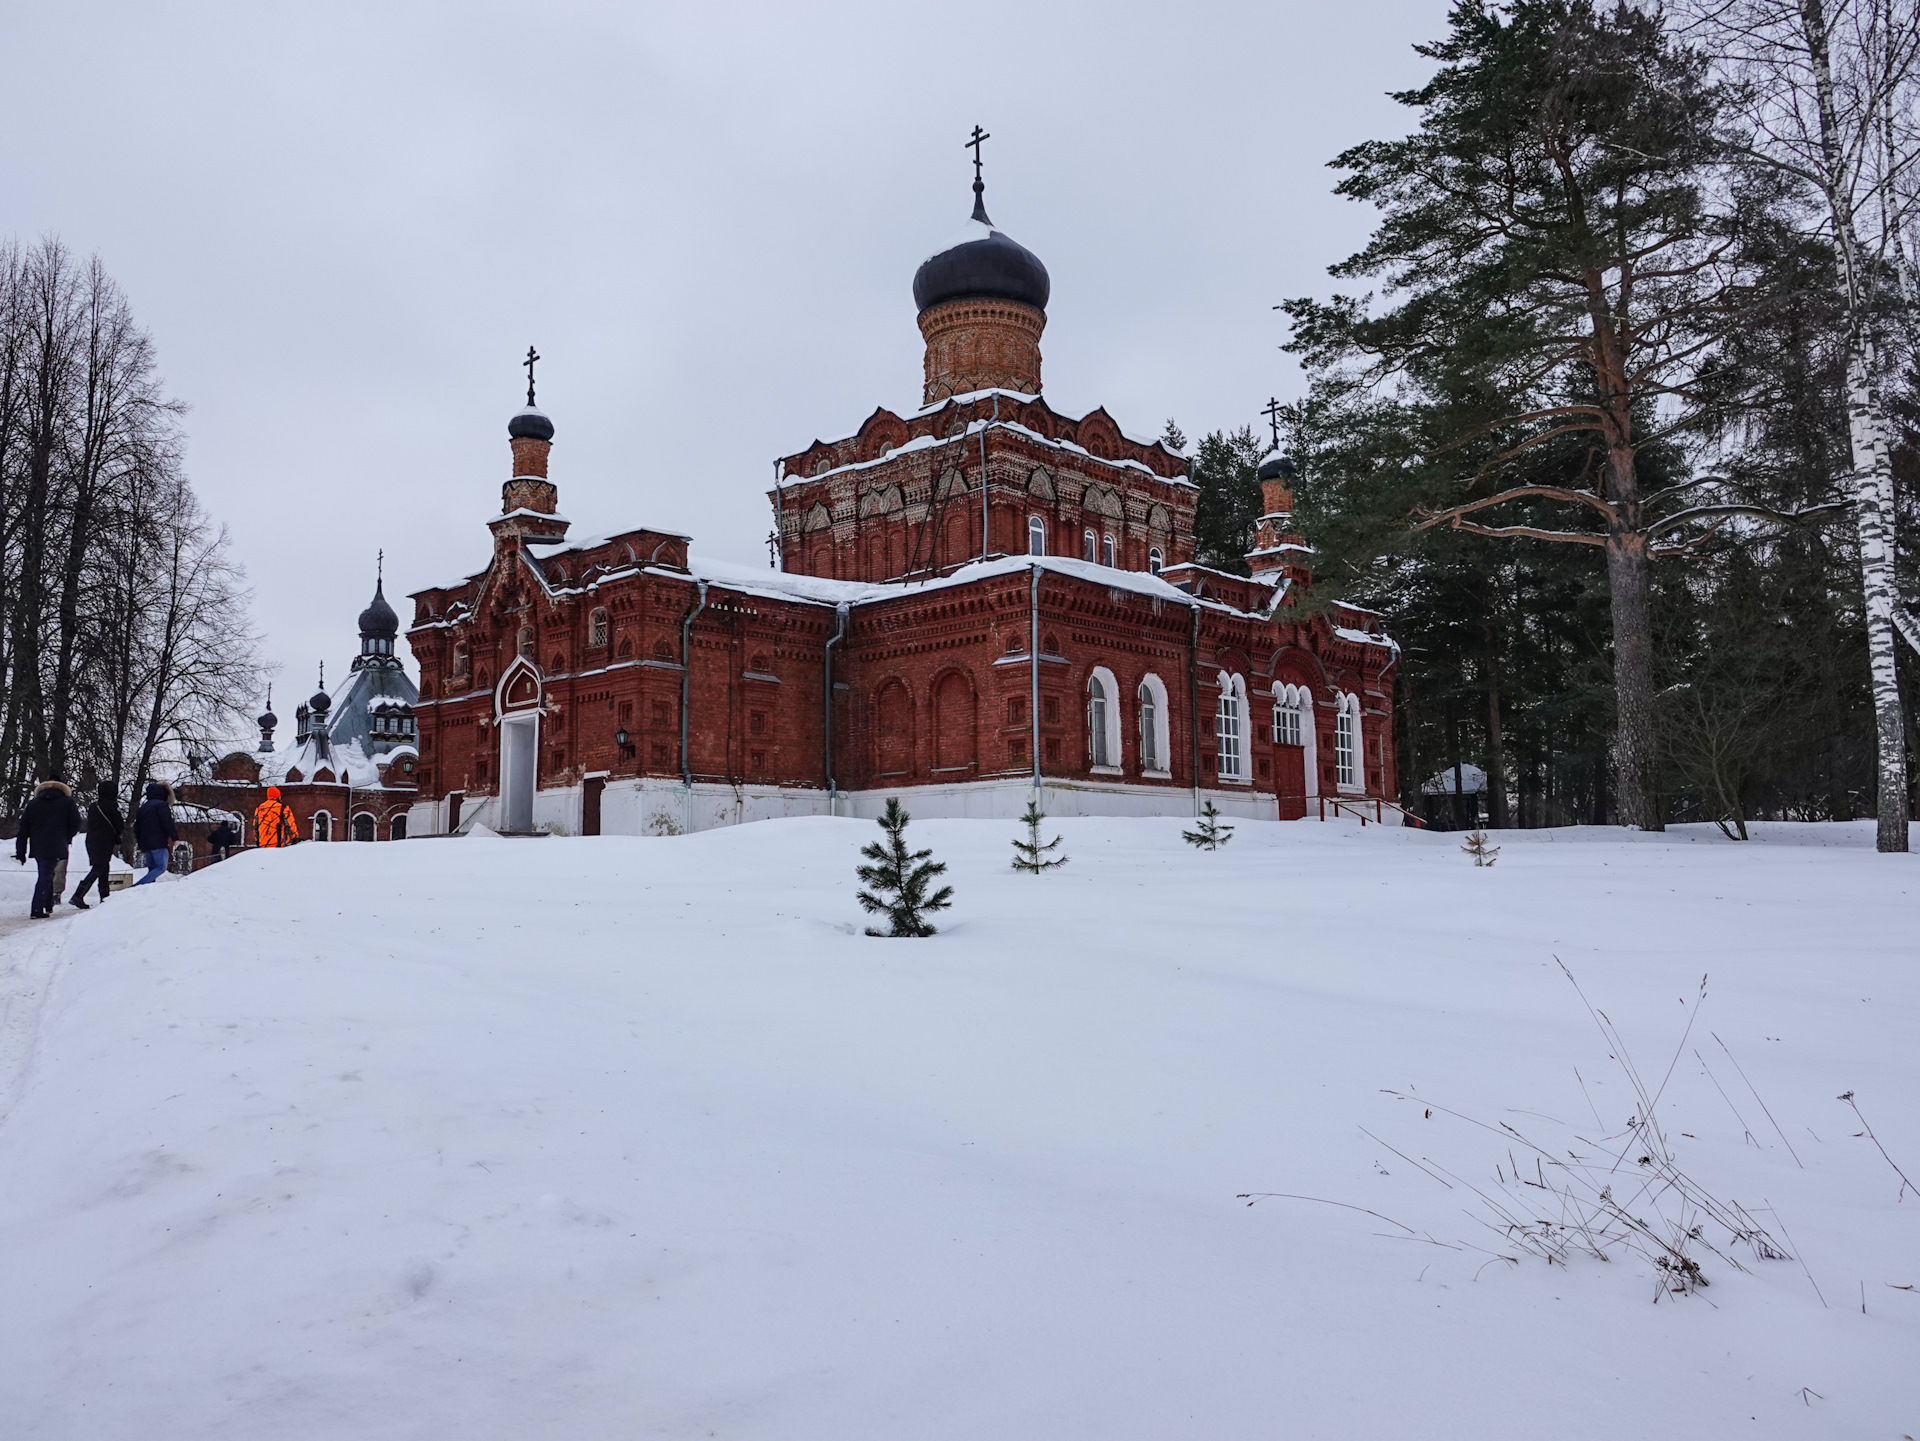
x: 893, y: 729
x: 955, y: 727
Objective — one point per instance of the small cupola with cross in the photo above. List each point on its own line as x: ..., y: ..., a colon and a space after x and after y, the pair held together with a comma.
x: 529, y: 501
x: 1278, y: 549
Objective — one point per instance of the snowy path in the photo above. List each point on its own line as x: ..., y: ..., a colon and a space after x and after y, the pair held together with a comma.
x: 624, y: 1138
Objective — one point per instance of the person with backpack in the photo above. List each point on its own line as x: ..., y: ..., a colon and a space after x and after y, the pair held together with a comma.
x: 47, y: 827
x: 273, y: 821
x: 104, y: 830
x: 154, y: 832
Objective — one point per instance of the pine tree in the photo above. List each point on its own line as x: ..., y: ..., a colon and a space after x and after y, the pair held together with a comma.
x: 1477, y: 847
x: 1209, y: 834
x: 1030, y: 854
x: 901, y: 878
x: 1227, y: 509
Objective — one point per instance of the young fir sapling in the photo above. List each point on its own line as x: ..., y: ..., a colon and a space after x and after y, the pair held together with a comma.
x: 900, y: 878
x: 1477, y: 847
x: 1031, y: 855
x: 1209, y: 834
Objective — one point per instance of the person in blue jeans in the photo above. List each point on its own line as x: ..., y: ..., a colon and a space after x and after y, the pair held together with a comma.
x: 154, y: 832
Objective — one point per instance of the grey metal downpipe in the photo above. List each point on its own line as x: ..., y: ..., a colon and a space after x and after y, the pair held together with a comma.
x: 686, y: 675
x: 826, y: 729
x: 1193, y: 704
x: 1033, y: 669
x: 779, y: 516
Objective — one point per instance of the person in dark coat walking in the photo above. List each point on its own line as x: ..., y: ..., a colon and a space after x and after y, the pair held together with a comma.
x: 222, y: 839
x: 104, y: 831
x: 47, y: 827
x: 154, y: 832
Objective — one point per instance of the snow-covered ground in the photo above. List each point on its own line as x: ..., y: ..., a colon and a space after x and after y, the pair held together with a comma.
x: 620, y: 1138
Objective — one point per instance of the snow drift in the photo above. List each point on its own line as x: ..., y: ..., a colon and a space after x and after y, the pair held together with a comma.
x: 643, y: 1137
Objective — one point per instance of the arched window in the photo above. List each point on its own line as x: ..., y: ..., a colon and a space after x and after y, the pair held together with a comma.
x: 459, y: 659
x: 1103, y: 720
x: 1036, y: 535
x: 322, y: 826
x: 1106, y: 550
x: 363, y: 827
x: 397, y: 828
x: 1230, y: 731
x: 1089, y: 547
x: 525, y: 644
x: 597, y: 629
x: 1289, y: 710
x: 1346, y: 742
x: 1154, y: 747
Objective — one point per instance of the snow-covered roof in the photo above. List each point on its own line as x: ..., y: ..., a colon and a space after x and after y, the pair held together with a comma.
x: 972, y: 395
x: 1362, y: 637
x: 928, y: 442
x: 786, y: 586
x: 1474, y: 782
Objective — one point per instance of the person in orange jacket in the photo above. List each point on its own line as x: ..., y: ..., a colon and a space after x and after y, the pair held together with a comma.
x: 273, y: 823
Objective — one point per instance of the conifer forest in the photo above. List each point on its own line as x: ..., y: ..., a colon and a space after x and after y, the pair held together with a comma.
x: 1614, y: 415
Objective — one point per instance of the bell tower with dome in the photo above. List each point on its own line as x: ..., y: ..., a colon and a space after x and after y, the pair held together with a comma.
x: 985, y: 467
x: 983, y: 304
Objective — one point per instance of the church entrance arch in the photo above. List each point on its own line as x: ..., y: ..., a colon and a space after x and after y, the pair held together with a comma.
x: 517, y: 703
x: 519, y: 744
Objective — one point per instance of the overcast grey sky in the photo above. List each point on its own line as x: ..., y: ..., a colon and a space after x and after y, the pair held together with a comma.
x: 345, y: 223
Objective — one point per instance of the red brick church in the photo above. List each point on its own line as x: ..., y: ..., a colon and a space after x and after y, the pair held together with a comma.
x: 975, y: 599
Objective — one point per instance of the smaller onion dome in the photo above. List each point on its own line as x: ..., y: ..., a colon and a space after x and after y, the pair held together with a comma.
x: 1279, y: 468
x: 268, y: 720
x: 377, y: 621
x: 321, y: 702
x: 530, y: 424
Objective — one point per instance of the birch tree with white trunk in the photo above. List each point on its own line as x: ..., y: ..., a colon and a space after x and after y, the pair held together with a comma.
x: 1833, y: 87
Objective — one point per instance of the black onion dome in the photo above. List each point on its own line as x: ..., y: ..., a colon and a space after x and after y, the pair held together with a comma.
x: 377, y: 621
x: 321, y: 702
x: 1279, y: 468
x: 268, y: 719
x: 983, y: 263
x: 530, y: 424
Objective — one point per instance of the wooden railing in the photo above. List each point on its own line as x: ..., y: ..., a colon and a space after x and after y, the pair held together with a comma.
x: 1358, y: 806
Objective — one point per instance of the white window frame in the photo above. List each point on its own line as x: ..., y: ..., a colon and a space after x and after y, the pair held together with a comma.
x: 1108, y: 551
x: 1291, y: 707
x: 315, y: 826
x: 1036, y: 535
x: 1347, y: 739
x: 598, y: 628
x: 1107, y: 750
x: 1156, y: 559
x: 1230, y: 730
x: 1090, y: 547
x: 1155, y: 747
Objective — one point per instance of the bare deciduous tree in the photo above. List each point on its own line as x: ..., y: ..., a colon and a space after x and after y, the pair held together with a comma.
x: 123, y: 629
